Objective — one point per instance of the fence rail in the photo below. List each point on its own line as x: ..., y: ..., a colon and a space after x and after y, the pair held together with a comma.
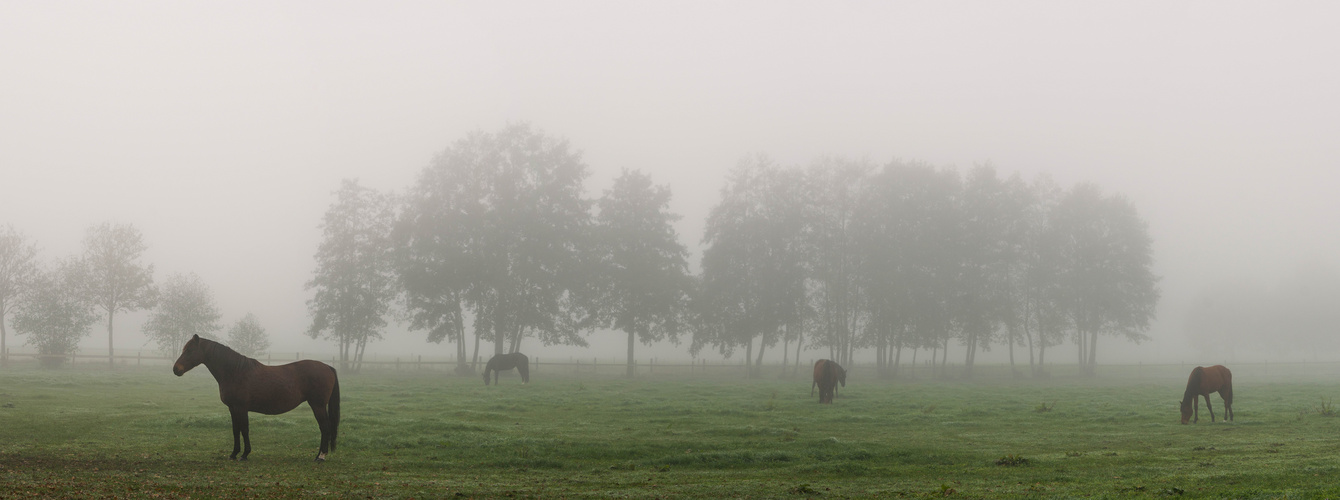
x: 612, y: 367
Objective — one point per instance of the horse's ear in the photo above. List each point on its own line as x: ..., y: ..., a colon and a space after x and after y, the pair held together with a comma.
x: 197, y: 336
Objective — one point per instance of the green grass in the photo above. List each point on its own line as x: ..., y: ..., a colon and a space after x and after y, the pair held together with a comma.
x: 140, y: 433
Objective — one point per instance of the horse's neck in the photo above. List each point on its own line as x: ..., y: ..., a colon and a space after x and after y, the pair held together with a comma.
x: 1193, y: 386
x: 225, y: 364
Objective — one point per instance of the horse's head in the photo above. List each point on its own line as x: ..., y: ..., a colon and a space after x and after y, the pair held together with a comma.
x: 192, y: 354
x: 486, y: 376
x: 1186, y: 411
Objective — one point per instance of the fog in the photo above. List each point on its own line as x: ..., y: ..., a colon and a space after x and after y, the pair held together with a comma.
x: 221, y: 129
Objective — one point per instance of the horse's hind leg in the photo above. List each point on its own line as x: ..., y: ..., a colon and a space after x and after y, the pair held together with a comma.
x: 1209, y: 408
x: 322, y: 421
x: 1227, y: 394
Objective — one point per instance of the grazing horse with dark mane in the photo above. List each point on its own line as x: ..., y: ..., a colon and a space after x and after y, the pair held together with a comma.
x: 247, y: 385
x: 827, y: 375
x: 1202, y: 382
x: 502, y: 362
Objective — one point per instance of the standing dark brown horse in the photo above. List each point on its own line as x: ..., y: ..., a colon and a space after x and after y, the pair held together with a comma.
x: 500, y: 362
x: 1203, y: 382
x: 247, y: 385
x: 827, y: 375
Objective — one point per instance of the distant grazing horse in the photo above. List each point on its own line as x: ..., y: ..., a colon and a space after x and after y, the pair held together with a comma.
x: 247, y: 385
x: 1203, y: 382
x: 502, y: 362
x: 827, y: 375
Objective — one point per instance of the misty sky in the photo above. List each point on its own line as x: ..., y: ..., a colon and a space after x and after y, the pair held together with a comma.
x: 220, y: 129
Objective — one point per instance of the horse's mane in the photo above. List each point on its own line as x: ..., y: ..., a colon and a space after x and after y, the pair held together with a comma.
x: 1193, y: 384
x: 229, y: 358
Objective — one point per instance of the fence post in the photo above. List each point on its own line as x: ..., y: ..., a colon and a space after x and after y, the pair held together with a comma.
x: 419, y: 367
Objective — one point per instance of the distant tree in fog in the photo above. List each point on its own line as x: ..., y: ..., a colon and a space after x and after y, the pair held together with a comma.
x: 353, y: 280
x: 1037, y: 307
x: 831, y: 239
x: 754, y: 263
x: 496, y: 225
x: 644, y: 281
x: 56, y: 312
x: 185, y: 308
x: 113, y: 276
x: 18, y: 269
x: 248, y: 337
x: 1107, y: 285
x: 909, y: 224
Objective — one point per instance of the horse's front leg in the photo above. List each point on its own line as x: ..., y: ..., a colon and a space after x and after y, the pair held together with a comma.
x: 1195, y: 407
x: 239, y: 422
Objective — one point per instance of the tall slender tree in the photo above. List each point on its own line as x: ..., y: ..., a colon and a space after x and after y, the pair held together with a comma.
x: 645, y: 283
x: 18, y: 269
x: 353, y: 281
x: 113, y: 275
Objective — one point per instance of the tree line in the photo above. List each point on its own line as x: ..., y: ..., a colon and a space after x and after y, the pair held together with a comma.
x: 496, y: 242
x: 55, y: 305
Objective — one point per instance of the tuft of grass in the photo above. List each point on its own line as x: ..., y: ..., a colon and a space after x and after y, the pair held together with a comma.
x: 1012, y: 460
x: 1043, y: 408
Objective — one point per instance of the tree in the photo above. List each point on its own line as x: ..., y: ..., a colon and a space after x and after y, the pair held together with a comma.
x: 115, y: 279
x: 496, y: 225
x: 834, y: 260
x: 56, y: 313
x: 1107, y: 284
x: 247, y: 337
x: 353, y: 280
x: 753, y: 280
x: 18, y: 269
x: 185, y: 308
x: 645, y: 284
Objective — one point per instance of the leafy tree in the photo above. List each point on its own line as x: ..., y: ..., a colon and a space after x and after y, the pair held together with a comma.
x: 496, y: 225
x: 753, y: 280
x: 115, y: 279
x: 353, y: 280
x: 247, y: 337
x: 907, y: 231
x: 18, y: 269
x: 1107, y: 285
x: 185, y: 308
x: 56, y: 312
x: 645, y: 285
x: 834, y: 260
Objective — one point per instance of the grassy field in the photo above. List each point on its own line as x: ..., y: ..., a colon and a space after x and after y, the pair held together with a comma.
x: 145, y: 433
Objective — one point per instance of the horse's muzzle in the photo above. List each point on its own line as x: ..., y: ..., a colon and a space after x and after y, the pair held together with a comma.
x: 178, y: 370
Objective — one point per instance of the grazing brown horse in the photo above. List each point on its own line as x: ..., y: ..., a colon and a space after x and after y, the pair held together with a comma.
x: 827, y: 375
x: 247, y: 385
x: 1203, y: 382
x: 501, y: 362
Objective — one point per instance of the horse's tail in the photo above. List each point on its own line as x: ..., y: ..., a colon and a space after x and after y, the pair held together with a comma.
x: 333, y: 411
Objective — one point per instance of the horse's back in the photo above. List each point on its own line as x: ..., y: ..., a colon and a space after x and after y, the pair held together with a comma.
x: 1214, y: 378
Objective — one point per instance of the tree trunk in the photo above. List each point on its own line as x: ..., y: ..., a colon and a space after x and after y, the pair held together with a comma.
x: 749, y: 358
x: 1093, y: 353
x: 758, y: 363
x: 630, y: 354
x: 474, y: 363
x: 110, y: 361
